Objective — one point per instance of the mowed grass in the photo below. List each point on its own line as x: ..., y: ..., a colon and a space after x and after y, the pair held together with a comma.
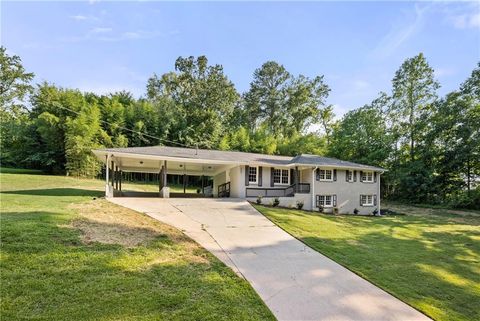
x: 429, y: 258
x: 66, y: 256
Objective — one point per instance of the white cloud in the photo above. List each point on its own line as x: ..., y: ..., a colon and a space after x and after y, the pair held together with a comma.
x: 401, y: 32
x: 79, y: 17
x: 465, y: 21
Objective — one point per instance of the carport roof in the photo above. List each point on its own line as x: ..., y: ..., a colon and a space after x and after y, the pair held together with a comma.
x: 179, y: 153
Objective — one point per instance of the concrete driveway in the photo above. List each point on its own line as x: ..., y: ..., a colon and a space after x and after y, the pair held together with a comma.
x: 296, y: 282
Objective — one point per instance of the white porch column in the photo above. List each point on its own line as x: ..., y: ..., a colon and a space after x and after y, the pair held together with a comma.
x: 312, y: 189
x: 108, y: 188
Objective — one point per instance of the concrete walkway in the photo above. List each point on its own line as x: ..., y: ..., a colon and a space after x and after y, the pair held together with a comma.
x: 296, y: 282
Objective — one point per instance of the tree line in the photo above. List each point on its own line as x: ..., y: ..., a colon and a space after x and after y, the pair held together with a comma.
x: 430, y: 145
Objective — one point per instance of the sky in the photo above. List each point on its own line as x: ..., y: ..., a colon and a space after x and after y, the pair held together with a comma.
x: 110, y: 46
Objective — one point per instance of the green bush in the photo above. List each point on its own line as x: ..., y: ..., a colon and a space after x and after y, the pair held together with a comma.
x: 276, y: 201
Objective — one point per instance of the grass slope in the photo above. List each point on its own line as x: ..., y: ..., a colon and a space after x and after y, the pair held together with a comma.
x: 65, y: 256
x: 429, y: 258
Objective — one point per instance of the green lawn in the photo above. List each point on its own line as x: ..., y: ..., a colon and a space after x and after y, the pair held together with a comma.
x: 66, y: 256
x: 429, y: 258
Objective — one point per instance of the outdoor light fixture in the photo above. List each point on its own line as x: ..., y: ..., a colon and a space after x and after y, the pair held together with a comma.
x: 181, y: 165
x: 141, y: 162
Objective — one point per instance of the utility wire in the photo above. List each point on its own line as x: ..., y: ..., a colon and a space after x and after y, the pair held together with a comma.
x: 131, y: 130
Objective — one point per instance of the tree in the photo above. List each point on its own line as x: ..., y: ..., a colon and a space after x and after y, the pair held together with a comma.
x: 198, y: 97
x: 81, y: 136
x: 362, y: 135
x: 326, y: 119
x: 414, y: 90
x: 14, y: 123
x: 265, y: 101
x: 284, y: 104
x: 14, y: 81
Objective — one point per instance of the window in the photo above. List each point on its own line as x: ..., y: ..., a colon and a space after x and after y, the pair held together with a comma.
x: 252, y: 174
x: 366, y: 200
x: 326, y: 200
x: 367, y: 177
x: 325, y: 175
x: 285, y: 176
x: 349, y: 176
x: 281, y: 176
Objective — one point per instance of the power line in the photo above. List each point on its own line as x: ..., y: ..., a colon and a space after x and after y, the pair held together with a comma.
x: 130, y: 130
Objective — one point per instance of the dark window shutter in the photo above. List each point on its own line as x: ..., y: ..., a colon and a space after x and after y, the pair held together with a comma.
x: 361, y: 200
x: 271, y: 177
x: 346, y: 175
x: 247, y: 169
x: 334, y: 200
x: 375, y: 177
x: 317, y: 174
x: 375, y: 200
x: 334, y: 174
x: 354, y: 176
x: 292, y: 176
x: 260, y: 175
x: 317, y: 203
x: 361, y: 176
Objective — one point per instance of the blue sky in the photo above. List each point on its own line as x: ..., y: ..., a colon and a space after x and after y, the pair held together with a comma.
x: 357, y: 46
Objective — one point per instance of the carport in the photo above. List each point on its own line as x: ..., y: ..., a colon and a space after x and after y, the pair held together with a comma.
x: 209, y: 175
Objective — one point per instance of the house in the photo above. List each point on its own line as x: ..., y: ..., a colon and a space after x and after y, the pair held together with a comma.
x: 314, y: 180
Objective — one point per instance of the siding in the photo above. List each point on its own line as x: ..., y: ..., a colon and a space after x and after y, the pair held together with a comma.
x: 348, y: 193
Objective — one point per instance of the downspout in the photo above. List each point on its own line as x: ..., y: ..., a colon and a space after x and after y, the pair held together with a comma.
x: 378, y: 193
x: 313, y: 187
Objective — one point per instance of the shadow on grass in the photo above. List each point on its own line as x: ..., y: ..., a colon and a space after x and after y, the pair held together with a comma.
x: 432, y: 277
x: 49, y: 274
x: 9, y: 170
x: 57, y: 192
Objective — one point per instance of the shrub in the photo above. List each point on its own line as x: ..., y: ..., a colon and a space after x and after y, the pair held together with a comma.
x: 356, y: 211
x: 276, y: 201
x: 299, y: 205
x: 335, y: 210
x: 259, y: 200
x: 375, y: 212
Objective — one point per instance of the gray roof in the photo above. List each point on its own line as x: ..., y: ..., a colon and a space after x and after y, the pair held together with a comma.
x: 234, y: 156
x: 316, y: 160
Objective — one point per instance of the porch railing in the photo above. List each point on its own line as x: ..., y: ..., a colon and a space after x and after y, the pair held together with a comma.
x: 224, y: 190
x: 289, y: 191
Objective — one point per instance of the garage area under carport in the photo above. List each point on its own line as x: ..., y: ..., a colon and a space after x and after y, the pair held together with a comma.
x: 175, y: 177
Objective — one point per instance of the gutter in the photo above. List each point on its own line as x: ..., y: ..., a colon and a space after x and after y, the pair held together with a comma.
x: 313, y: 187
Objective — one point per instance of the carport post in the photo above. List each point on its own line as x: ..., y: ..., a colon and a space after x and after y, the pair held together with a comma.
x: 165, y: 174
x: 116, y: 177
x: 113, y: 173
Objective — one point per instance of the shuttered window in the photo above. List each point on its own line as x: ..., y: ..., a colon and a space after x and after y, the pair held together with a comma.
x: 367, y: 177
x: 349, y: 177
x: 281, y: 176
x: 326, y: 200
x: 325, y: 175
x: 252, y: 174
x: 366, y: 200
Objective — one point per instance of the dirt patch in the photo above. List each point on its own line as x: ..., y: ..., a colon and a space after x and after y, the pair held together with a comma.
x: 104, y: 222
x: 458, y: 216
